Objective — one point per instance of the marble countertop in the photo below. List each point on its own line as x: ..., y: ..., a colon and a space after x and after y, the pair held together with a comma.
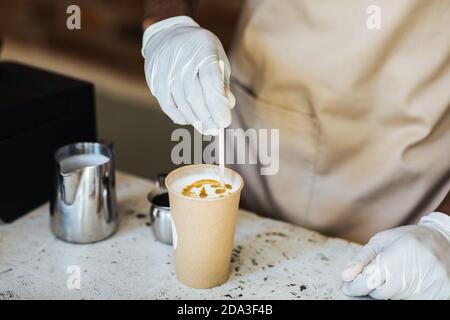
x: 271, y: 259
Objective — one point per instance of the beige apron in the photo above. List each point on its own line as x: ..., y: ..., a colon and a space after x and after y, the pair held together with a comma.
x: 364, y: 115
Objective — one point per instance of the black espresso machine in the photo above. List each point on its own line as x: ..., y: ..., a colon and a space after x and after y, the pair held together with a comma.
x: 39, y: 112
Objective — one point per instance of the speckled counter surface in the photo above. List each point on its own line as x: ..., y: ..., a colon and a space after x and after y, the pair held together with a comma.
x: 271, y: 259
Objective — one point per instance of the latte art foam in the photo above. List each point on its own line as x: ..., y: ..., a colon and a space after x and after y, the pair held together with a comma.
x: 205, y: 185
x: 206, y: 188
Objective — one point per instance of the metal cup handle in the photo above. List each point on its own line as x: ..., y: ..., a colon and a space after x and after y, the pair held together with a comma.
x: 161, y: 181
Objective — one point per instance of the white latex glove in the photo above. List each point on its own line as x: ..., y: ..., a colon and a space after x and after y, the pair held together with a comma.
x: 410, y: 262
x: 188, y: 72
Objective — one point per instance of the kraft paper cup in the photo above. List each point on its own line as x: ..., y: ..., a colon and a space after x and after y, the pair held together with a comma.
x: 203, y: 230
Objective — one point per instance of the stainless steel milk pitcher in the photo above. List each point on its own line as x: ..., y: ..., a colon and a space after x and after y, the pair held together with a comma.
x: 160, y: 217
x: 83, y: 207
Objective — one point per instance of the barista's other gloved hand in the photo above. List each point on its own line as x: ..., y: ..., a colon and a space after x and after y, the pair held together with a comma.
x: 410, y: 262
x: 188, y: 72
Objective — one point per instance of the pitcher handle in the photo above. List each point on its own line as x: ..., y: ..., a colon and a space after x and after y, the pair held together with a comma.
x: 161, y: 180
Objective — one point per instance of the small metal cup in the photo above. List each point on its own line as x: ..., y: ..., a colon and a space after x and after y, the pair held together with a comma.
x: 161, y: 220
x: 83, y: 208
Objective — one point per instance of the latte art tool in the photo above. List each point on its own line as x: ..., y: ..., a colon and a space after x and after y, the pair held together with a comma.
x: 222, y: 156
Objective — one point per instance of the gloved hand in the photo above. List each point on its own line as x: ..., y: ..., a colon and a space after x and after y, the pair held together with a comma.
x: 188, y: 72
x: 410, y: 262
